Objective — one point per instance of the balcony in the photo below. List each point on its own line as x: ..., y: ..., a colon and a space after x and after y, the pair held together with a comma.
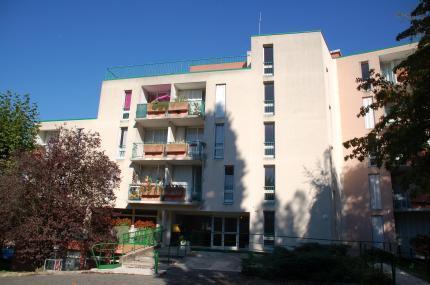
x: 160, y: 114
x: 174, y: 193
x: 404, y: 202
x: 182, y: 153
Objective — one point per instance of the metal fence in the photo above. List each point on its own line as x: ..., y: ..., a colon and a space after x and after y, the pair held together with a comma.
x: 166, y: 68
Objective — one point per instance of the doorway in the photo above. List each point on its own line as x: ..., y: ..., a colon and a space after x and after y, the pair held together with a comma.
x: 225, y: 232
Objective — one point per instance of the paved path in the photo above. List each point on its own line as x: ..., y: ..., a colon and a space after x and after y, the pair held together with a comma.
x: 216, y: 261
x: 404, y: 278
x: 174, y: 276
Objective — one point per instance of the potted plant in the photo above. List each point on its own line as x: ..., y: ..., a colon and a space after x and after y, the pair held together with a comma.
x: 158, y: 107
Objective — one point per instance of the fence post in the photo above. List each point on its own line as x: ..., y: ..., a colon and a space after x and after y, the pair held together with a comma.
x: 393, y: 270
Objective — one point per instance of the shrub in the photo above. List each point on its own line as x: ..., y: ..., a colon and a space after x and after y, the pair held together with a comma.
x: 312, y: 262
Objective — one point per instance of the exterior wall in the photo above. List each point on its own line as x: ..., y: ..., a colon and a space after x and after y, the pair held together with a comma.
x: 317, y: 194
x: 356, y: 212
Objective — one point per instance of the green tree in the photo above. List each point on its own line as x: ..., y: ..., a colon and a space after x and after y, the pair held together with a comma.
x: 402, y: 136
x: 18, y: 125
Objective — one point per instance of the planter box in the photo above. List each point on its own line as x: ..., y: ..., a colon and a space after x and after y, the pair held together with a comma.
x: 174, y: 193
x: 174, y: 148
x: 153, y: 149
x: 157, y: 108
x: 178, y: 107
x: 152, y: 193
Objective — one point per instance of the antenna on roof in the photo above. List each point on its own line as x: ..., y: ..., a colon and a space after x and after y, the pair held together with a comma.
x: 259, y: 25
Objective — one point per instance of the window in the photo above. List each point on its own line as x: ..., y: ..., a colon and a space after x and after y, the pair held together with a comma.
x: 377, y: 231
x: 155, y: 136
x: 220, y: 101
x: 269, y: 139
x: 228, y: 184
x: 268, y: 59
x: 122, y: 142
x: 375, y: 192
x: 269, y: 228
x: 369, y: 118
x: 126, y: 105
x: 219, y: 141
x: 269, y: 98
x: 269, y: 182
x: 365, y: 71
x: 194, y: 134
x: 191, y: 94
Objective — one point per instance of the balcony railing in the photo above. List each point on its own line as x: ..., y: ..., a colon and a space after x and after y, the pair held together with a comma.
x: 177, y: 67
x: 170, y: 109
x: 404, y: 201
x: 172, y: 192
x: 192, y: 150
x: 269, y: 107
x: 268, y: 68
x: 269, y: 149
x: 269, y: 193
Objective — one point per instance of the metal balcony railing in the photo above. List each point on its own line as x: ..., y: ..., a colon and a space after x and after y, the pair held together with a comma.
x: 269, y: 193
x: 170, y: 109
x: 269, y: 107
x: 191, y: 150
x: 175, y: 67
x: 269, y: 149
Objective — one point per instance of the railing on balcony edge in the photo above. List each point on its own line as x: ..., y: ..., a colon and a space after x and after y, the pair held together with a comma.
x: 269, y: 193
x: 174, y: 67
x: 269, y: 107
x: 194, y: 108
x: 269, y: 149
x: 191, y: 150
x: 166, y: 193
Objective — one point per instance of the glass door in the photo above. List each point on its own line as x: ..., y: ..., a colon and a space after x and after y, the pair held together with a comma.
x: 225, y: 232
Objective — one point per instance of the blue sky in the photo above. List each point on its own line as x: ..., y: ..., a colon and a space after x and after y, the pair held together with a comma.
x: 58, y: 51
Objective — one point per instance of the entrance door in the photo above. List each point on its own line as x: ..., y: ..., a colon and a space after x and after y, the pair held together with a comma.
x: 225, y: 232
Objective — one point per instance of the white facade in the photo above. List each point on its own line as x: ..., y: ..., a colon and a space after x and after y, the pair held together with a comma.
x: 229, y: 177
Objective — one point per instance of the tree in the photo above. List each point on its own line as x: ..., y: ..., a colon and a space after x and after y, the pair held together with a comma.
x: 402, y: 136
x: 58, y: 195
x: 18, y: 125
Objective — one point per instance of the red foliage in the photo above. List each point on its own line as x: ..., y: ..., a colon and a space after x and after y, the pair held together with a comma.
x: 60, y: 194
x: 144, y: 224
x: 121, y: 222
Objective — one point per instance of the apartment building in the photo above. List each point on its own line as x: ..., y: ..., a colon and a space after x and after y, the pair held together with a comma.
x: 246, y: 152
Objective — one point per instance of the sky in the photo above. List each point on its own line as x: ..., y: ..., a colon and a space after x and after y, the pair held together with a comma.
x: 58, y: 51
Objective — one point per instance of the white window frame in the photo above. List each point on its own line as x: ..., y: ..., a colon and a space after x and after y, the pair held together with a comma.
x: 126, y: 112
x: 369, y: 118
x: 121, y: 148
x: 221, y: 146
x: 220, y: 98
x: 268, y: 66
x: 229, y: 191
x: 377, y: 224
x: 375, y: 191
